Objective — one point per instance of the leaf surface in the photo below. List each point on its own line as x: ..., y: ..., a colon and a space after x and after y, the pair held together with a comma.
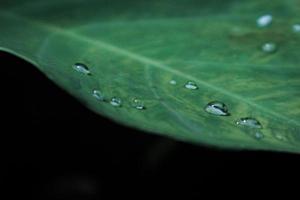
x: 134, y: 48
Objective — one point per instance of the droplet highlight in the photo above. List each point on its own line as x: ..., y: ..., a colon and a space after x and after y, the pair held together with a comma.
x: 82, y: 68
x: 296, y: 28
x: 269, y: 47
x: 138, y: 104
x: 98, y: 95
x: 191, y: 85
x: 217, y: 108
x: 249, y: 122
x: 117, y: 102
x: 264, y: 21
x: 173, y: 82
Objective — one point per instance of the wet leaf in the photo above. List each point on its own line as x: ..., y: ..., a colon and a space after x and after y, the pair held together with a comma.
x: 150, y: 50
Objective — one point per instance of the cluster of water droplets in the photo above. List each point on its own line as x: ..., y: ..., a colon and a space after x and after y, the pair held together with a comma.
x: 265, y: 21
x: 216, y: 108
x: 219, y: 108
x: 99, y: 96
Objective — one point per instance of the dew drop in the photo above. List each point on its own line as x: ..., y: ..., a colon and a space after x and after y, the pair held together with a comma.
x: 217, y: 108
x: 264, y: 21
x: 82, y: 68
x: 269, y: 47
x: 279, y: 136
x: 138, y: 104
x: 173, y: 82
x: 258, y: 135
x: 117, y: 102
x: 98, y: 95
x: 249, y: 122
x: 191, y: 85
x: 296, y: 28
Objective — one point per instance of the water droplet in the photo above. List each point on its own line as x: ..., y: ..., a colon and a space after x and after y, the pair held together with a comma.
x: 279, y: 136
x: 264, y: 21
x: 138, y: 104
x: 173, y: 82
x: 296, y: 28
x: 269, y: 47
x: 98, y: 95
x: 217, y: 108
x: 82, y: 68
x: 191, y: 85
x: 117, y: 102
x: 258, y: 135
x: 249, y: 122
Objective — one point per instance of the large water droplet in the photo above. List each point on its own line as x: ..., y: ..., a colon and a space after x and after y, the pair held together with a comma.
x: 138, y: 104
x: 296, y: 28
x: 82, y: 68
x: 98, y: 95
x: 217, y: 108
x: 173, y: 82
x: 117, y: 102
x: 269, y: 47
x: 264, y: 21
x: 249, y: 122
x: 191, y: 85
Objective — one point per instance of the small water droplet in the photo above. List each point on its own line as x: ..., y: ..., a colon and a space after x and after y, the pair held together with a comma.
x: 249, y: 122
x: 217, y: 108
x: 138, y: 104
x: 82, y: 68
x: 279, y: 136
x: 269, y: 47
x: 191, y: 85
x: 173, y: 82
x: 296, y: 28
x: 264, y: 21
x: 258, y: 135
x: 98, y: 95
x: 117, y: 102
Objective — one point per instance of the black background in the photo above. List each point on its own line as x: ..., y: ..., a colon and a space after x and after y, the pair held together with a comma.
x: 52, y: 147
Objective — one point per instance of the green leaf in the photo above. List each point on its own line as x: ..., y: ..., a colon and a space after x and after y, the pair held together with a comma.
x: 133, y: 49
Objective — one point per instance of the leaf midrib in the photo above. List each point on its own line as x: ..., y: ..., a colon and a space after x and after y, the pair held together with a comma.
x: 145, y: 60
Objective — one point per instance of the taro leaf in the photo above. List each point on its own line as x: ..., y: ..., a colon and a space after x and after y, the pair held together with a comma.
x: 134, y: 48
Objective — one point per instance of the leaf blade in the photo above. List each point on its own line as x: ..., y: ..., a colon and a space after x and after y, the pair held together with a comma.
x: 172, y: 111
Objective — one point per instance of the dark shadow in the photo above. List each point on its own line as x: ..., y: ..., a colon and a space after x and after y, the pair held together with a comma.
x: 55, y: 148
